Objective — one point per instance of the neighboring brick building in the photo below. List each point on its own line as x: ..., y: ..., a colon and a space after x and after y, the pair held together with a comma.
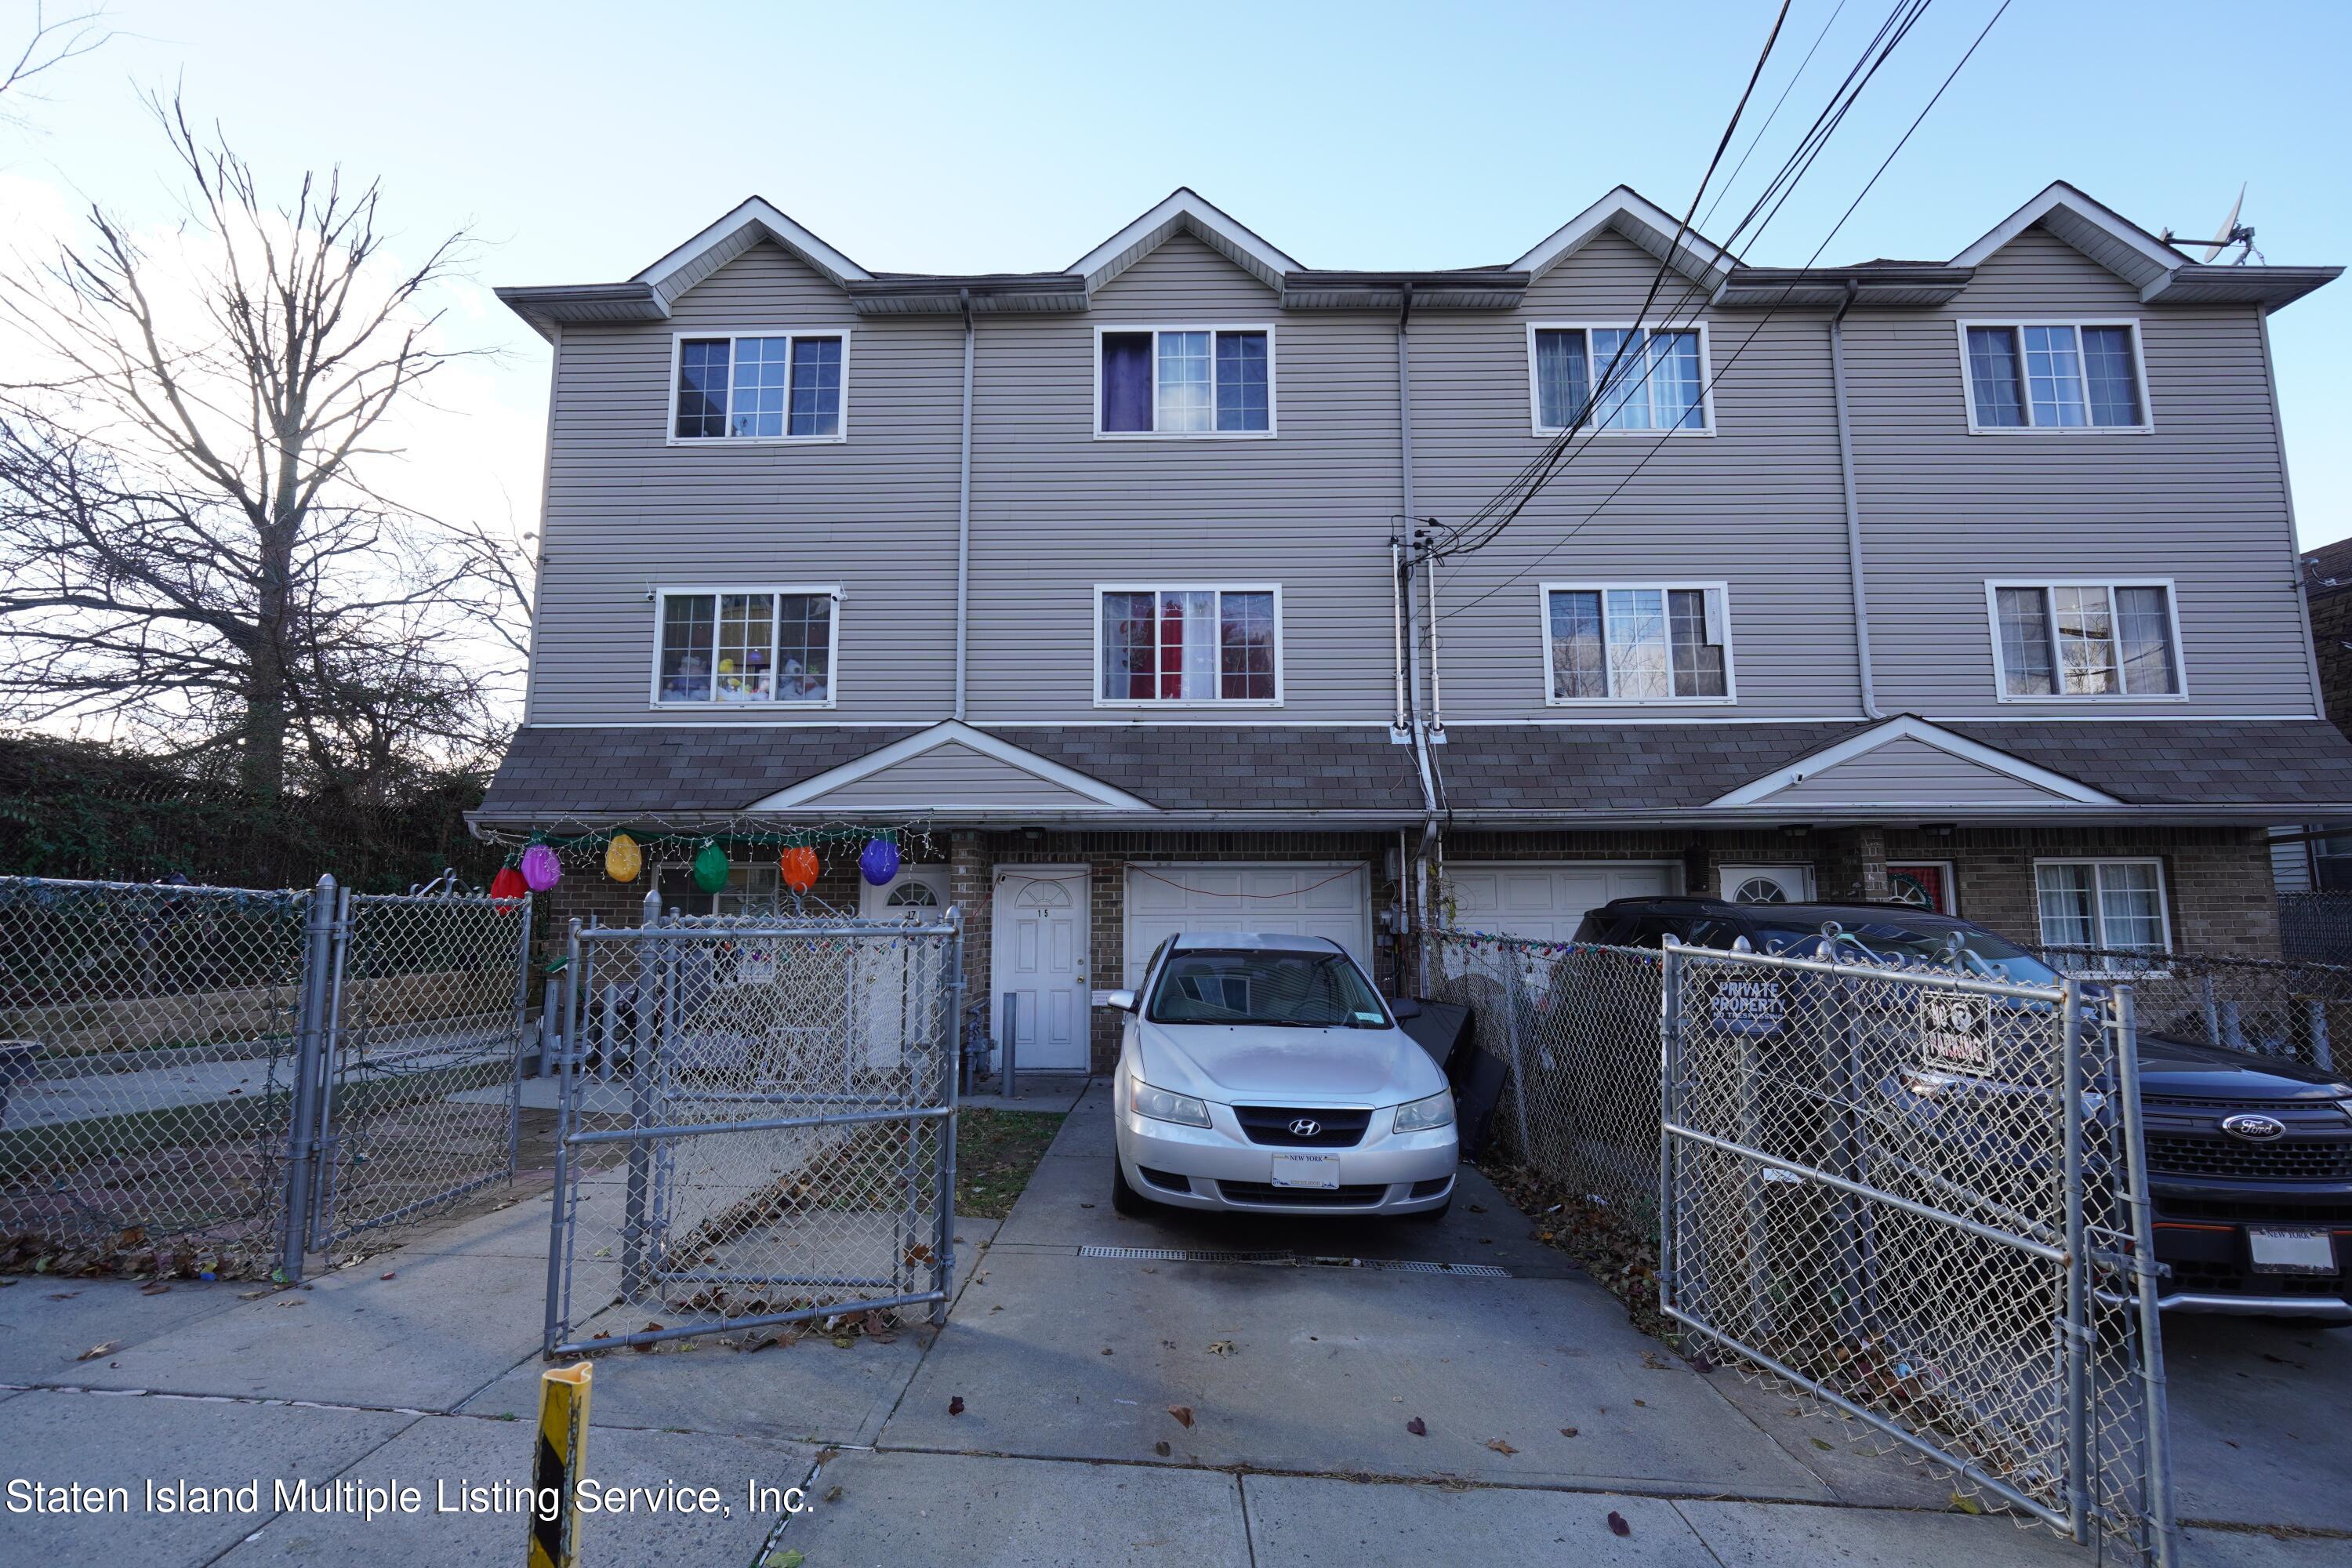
x: 2302, y: 863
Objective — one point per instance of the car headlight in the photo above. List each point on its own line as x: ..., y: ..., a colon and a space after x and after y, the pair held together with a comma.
x: 1161, y: 1106
x: 1422, y: 1115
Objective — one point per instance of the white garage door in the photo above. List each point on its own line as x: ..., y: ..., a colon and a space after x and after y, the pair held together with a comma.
x: 1333, y: 901
x: 1546, y: 899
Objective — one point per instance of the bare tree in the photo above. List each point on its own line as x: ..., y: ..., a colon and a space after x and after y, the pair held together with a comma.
x: 51, y: 45
x: 191, y: 536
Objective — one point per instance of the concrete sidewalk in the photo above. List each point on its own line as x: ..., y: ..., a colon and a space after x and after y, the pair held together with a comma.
x: 1299, y: 1380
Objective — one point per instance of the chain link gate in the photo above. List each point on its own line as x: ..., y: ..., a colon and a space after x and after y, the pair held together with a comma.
x: 758, y: 1125
x: 420, y: 1103
x: 1921, y: 1197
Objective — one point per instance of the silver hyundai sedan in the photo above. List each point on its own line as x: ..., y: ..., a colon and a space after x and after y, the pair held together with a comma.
x: 1262, y: 1074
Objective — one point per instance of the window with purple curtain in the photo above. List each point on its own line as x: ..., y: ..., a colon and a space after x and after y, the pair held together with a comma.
x: 1127, y: 377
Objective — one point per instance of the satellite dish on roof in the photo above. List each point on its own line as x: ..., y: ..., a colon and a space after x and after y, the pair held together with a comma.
x: 2232, y: 232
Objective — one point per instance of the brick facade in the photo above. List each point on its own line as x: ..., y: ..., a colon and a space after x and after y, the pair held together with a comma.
x: 2217, y: 880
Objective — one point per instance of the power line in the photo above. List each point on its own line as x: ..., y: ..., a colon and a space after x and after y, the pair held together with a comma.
x: 1755, y: 331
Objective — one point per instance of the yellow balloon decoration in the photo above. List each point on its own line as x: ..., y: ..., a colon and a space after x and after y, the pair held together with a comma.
x: 623, y: 858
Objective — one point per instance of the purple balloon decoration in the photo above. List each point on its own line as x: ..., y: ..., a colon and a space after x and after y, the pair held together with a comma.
x: 879, y: 862
x: 541, y: 870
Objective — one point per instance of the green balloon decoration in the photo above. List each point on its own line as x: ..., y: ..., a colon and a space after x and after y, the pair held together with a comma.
x: 710, y: 869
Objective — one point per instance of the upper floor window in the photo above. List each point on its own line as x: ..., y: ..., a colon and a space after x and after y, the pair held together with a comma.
x: 780, y: 387
x: 2085, y: 639
x: 1189, y: 645
x: 1652, y: 380
x: 1192, y: 381
x: 757, y: 645
x: 2055, y: 375
x: 1637, y: 642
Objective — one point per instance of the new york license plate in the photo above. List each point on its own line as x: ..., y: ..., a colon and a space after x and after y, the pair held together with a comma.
x: 2275, y: 1250
x: 1306, y: 1170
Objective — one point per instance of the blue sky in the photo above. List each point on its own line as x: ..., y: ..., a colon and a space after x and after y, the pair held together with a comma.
x: 582, y: 141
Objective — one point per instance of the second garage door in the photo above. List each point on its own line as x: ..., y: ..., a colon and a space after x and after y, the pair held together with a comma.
x: 1546, y: 899
x: 1331, y: 899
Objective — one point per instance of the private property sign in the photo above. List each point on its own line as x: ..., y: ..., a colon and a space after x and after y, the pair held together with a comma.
x: 1745, y: 1003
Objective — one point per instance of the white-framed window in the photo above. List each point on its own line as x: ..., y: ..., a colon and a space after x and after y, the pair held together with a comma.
x: 1637, y: 642
x: 753, y: 887
x: 758, y: 386
x: 2113, y: 904
x: 2055, y: 375
x: 1620, y: 380
x: 738, y: 645
x: 1183, y: 380
x: 1166, y: 646
x: 2074, y: 641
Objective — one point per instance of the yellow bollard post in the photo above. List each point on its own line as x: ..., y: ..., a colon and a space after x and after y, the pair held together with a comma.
x: 555, y: 1473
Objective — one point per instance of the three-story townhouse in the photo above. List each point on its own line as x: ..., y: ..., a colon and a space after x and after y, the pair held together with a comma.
x: 1970, y: 582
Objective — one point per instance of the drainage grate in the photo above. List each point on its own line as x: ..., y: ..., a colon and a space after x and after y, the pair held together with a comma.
x: 1292, y: 1260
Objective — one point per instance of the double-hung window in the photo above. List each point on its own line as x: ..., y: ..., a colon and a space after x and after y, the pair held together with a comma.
x: 753, y: 644
x: 2055, y: 375
x: 1189, y: 381
x: 1189, y: 645
x: 783, y: 386
x: 2085, y: 639
x: 1619, y: 379
x: 2117, y: 905
x: 1667, y: 642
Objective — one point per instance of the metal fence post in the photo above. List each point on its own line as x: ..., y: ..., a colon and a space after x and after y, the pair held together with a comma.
x: 2162, y: 1545
x: 522, y: 1021
x: 329, y: 1144
x: 1670, y: 1032
x: 953, y: 1001
x: 558, y: 1237
x: 1513, y: 995
x: 301, y: 1152
x: 2212, y: 1008
x: 652, y: 1003
x: 2322, y: 1052
x: 2077, y: 1328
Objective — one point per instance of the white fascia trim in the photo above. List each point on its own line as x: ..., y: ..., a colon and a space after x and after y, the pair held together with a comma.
x: 1906, y: 727
x: 1186, y: 209
x: 1640, y: 220
x: 2069, y: 204
x: 774, y: 224
x: 952, y: 733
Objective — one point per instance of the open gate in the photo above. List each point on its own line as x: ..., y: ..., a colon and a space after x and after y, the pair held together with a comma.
x: 758, y: 1125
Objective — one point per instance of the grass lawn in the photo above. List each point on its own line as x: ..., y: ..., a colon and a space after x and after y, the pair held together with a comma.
x: 995, y: 1152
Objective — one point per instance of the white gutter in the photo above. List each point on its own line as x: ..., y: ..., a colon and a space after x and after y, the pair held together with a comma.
x: 1852, y: 512
x: 963, y: 511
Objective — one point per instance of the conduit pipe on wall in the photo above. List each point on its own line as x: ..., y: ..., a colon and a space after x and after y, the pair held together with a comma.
x: 1852, y: 512
x: 1423, y: 896
x: 963, y: 512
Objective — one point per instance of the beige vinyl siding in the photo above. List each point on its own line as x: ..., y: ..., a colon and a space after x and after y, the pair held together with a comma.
x: 876, y: 513
x: 2200, y: 501
x: 1905, y: 772
x: 1757, y: 504
x: 1057, y: 511
x: 951, y: 775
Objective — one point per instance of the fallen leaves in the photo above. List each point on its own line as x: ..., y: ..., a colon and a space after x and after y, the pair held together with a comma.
x: 1183, y: 1414
x: 387, y: 1273
x: 107, y: 1348
x: 1417, y: 1427
x: 1617, y: 1525
x: 790, y: 1557
x: 1216, y: 1347
x: 1567, y: 1431
x: 1161, y: 1448
x: 955, y: 1404
x: 154, y: 1288
x: 1500, y: 1447
x: 642, y: 1349
x: 1967, y: 1504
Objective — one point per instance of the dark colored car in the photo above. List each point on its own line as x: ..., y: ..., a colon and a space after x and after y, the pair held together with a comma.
x: 2243, y: 1149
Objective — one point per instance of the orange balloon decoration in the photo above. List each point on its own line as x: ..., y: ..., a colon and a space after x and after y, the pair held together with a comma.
x: 799, y: 865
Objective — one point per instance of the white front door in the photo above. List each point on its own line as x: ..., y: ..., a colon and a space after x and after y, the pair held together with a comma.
x: 1787, y: 884
x: 1547, y: 899
x: 1038, y: 954
x: 899, y: 988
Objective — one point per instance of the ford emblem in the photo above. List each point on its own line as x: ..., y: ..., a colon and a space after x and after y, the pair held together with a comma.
x: 2253, y: 1128
x: 1307, y: 1127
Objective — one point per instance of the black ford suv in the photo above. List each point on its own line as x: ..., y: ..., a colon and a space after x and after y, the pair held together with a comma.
x: 2243, y: 1149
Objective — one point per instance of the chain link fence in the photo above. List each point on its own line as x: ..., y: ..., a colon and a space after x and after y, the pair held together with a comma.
x: 757, y: 1128
x: 2281, y: 1008
x: 1919, y: 1197
x: 2315, y: 928
x: 196, y: 1080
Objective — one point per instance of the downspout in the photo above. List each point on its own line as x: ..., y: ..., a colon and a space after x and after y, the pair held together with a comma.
x: 1423, y: 898
x: 963, y: 512
x: 1852, y: 512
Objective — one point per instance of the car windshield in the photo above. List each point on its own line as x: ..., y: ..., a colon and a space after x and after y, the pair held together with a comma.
x: 1978, y: 952
x: 1292, y: 989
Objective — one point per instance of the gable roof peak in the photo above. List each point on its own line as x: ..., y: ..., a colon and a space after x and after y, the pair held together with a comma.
x: 1184, y: 210
x: 1627, y: 212
x: 754, y: 220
